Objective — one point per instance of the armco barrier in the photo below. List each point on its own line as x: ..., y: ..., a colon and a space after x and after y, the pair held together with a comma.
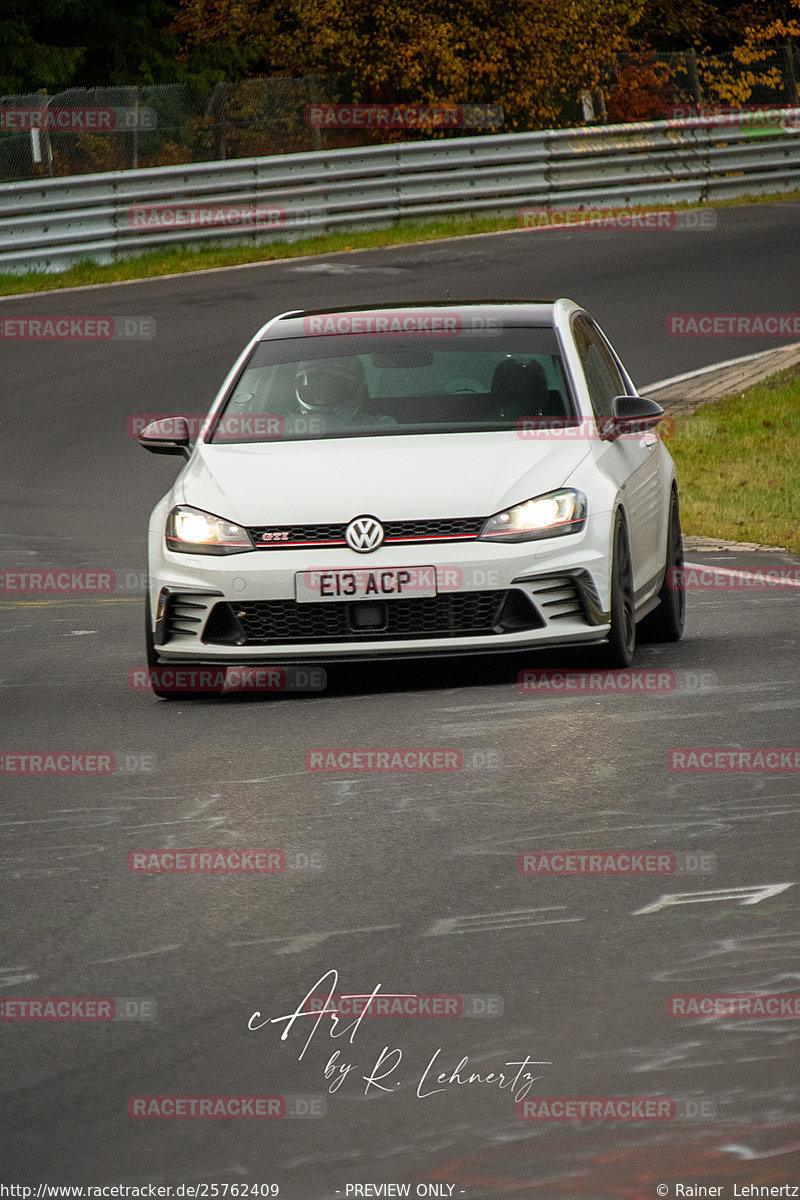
x: 50, y: 224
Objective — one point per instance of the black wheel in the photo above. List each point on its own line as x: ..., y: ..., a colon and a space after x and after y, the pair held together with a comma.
x: 620, y: 647
x: 665, y: 623
x: 166, y: 681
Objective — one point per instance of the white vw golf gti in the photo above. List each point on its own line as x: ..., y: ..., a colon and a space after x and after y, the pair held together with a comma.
x: 427, y: 480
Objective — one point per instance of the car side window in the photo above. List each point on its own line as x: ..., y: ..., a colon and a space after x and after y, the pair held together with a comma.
x: 602, y: 374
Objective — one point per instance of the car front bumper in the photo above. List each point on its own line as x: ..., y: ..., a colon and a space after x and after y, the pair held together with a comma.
x: 547, y: 592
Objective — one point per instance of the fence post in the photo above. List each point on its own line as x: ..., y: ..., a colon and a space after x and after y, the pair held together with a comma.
x: 788, y: 72
x: 694, y: 78
x: 313, y: 96
x: 43, y: 144
x: 132, y: 95
x: 219, y: 118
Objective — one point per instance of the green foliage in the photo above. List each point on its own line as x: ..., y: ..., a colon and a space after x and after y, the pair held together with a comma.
x: 55, y: 44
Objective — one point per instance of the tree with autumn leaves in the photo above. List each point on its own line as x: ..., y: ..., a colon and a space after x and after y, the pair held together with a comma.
x: 528, y: 55
x: 533, y: 57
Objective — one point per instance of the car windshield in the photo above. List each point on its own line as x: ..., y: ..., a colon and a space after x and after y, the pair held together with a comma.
x: 357, y: 385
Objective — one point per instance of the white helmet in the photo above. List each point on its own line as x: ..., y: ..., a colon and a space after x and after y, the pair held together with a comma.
x: 331, y: 386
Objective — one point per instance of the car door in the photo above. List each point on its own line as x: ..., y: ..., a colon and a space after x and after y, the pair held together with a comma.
x: 631, y: 461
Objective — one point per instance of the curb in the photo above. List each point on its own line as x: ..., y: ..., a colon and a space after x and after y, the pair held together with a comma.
x: 682, y: 394
x: 699, y: 543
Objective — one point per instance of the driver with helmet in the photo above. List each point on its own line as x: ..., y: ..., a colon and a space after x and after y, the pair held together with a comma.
x: 334, y: 390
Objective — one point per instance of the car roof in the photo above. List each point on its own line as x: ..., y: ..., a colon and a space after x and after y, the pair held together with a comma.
x: 509, y: 313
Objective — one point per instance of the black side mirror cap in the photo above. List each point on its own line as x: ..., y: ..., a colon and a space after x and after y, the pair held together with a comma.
x: 631, y: 415
x: 169, y: 435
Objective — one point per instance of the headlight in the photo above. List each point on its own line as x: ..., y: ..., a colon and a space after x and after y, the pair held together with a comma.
x: 191, y: 531
x: 544, y: 516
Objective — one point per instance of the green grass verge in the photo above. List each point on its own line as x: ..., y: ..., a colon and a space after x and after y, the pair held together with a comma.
x: 738, y: 463
x: 179, y: 262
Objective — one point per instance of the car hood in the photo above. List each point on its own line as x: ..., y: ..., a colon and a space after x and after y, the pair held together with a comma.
x: 390, y: 477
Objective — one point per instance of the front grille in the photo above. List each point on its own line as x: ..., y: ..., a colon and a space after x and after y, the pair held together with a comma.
x: 299, y: 535
x: 450, y: 529
x: 450, y: 615
x: 457, y: 527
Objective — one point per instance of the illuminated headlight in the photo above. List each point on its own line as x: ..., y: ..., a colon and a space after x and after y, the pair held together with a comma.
x: 191, y: 531
x: 544, y: 516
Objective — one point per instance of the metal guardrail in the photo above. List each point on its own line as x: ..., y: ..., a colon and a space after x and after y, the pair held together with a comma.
x: 48, y: 225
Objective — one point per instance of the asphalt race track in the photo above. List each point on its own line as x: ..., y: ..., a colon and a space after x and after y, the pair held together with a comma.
x: 407, y: 881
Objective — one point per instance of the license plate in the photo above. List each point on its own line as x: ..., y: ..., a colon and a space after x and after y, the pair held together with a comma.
x: 363, y: 583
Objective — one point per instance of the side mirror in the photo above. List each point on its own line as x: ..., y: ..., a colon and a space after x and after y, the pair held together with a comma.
x: 631, y: 415
x: 170, y: 435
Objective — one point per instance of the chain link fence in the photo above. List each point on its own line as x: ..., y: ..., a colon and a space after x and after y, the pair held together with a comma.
x: 652, y: 86
x: 82, y: 131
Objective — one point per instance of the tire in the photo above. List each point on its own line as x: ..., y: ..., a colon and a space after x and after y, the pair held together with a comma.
x: 153, y: 664
x: 619, y: 649
x: 665, y: 623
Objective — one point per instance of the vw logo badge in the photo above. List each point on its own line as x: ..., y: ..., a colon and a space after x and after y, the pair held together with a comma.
x: 364, y: 534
